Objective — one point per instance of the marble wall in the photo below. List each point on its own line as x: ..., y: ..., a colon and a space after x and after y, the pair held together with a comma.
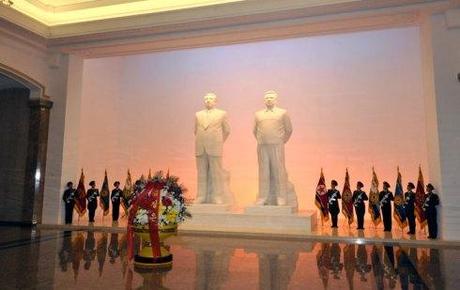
x: 446, y: 67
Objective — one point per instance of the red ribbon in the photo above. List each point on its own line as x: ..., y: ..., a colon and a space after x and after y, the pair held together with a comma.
x: 148, y: 199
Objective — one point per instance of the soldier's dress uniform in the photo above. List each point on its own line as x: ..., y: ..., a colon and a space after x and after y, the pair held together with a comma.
x: 429, y: 207
x: 358, y: 198
x: 385, y: 198
x: 116, y: 195
x: 410, y: 210
x: 69, y: 199
x: 333, y: 195
x: 91, y: 196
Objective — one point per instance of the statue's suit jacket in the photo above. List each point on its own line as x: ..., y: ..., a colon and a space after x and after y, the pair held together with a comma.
x: 211, y: 130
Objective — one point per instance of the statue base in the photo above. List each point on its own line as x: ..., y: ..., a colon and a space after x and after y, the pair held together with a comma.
x: 270, y: 209
x: 208, y: 208
x: 254, y: 219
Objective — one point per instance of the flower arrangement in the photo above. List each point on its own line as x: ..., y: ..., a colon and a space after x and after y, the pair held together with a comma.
x: 172, y: 209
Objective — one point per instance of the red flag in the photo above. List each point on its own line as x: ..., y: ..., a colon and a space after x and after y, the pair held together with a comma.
x: 80, y: 196
x: 347, y: 199
x: 420, y: 199
x: 321, y: 197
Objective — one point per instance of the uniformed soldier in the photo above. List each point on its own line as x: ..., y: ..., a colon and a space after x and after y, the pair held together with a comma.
x: 409, y: 205
x: 69, y: 200
x: 116, y: 195
x: 359, y: 196
x: 91, y: 196
x: 333, y: 195
x: 429, y: 207
x: 385, y: 198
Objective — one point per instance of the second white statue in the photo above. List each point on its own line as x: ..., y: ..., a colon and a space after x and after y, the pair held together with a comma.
x: 272, y: 129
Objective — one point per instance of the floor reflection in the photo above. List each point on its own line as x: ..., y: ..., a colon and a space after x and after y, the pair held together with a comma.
x: 98, y: 260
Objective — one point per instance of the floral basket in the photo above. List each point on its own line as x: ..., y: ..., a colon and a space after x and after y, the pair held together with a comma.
x: 154, y: 216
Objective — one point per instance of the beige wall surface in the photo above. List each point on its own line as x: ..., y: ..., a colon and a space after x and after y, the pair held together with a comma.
x: 355, y: 101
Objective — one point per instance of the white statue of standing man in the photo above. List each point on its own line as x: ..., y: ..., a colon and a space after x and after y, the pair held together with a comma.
x: 211, y: 131
x: 272, y: 129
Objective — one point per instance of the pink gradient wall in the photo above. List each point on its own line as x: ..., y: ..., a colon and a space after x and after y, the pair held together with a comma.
x: 355, y: 101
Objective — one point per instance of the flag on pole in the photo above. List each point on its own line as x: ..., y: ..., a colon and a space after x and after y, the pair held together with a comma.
x: 80, y: 196
x: 420, y: 199
x: 142, y: 179
x: 104, y: 199
x: 374, y: 201
x: 399, y: 212
x: 347, y: 199
x: 321, y: 197
x: 127, y: 192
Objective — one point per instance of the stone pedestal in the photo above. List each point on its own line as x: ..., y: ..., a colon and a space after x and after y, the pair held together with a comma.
x: 255, y: 219
x: 270, y: 210
x: 208, y: 208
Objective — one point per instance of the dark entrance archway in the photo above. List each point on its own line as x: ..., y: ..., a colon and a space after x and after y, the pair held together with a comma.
x: 24, y: 120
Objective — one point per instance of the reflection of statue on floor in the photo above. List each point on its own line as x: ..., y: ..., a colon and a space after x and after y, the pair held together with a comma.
x: 275, y: 270
x: 272, y: 129
x: 211, y: 131
x: 212, y: 268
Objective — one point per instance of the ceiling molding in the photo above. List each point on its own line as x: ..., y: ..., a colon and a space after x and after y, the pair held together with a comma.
x: 212, y: 17
x: 239, y: 35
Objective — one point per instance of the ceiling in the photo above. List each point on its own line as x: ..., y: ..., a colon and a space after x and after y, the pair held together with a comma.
x: 59, y: 12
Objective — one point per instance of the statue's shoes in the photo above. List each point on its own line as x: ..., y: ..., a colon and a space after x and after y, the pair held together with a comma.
x: 199, y: 200
x: 261, y: 201
x: 218, y: 200
x: 281, y: 201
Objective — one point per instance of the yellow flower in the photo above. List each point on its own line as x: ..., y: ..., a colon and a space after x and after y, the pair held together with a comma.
x: 171, y: 217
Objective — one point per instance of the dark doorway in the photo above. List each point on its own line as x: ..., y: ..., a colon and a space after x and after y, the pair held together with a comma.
x: 23, y: 141
x: 14, y: 130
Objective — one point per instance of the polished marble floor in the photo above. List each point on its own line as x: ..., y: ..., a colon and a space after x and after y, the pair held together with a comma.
x: 52, y: 259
